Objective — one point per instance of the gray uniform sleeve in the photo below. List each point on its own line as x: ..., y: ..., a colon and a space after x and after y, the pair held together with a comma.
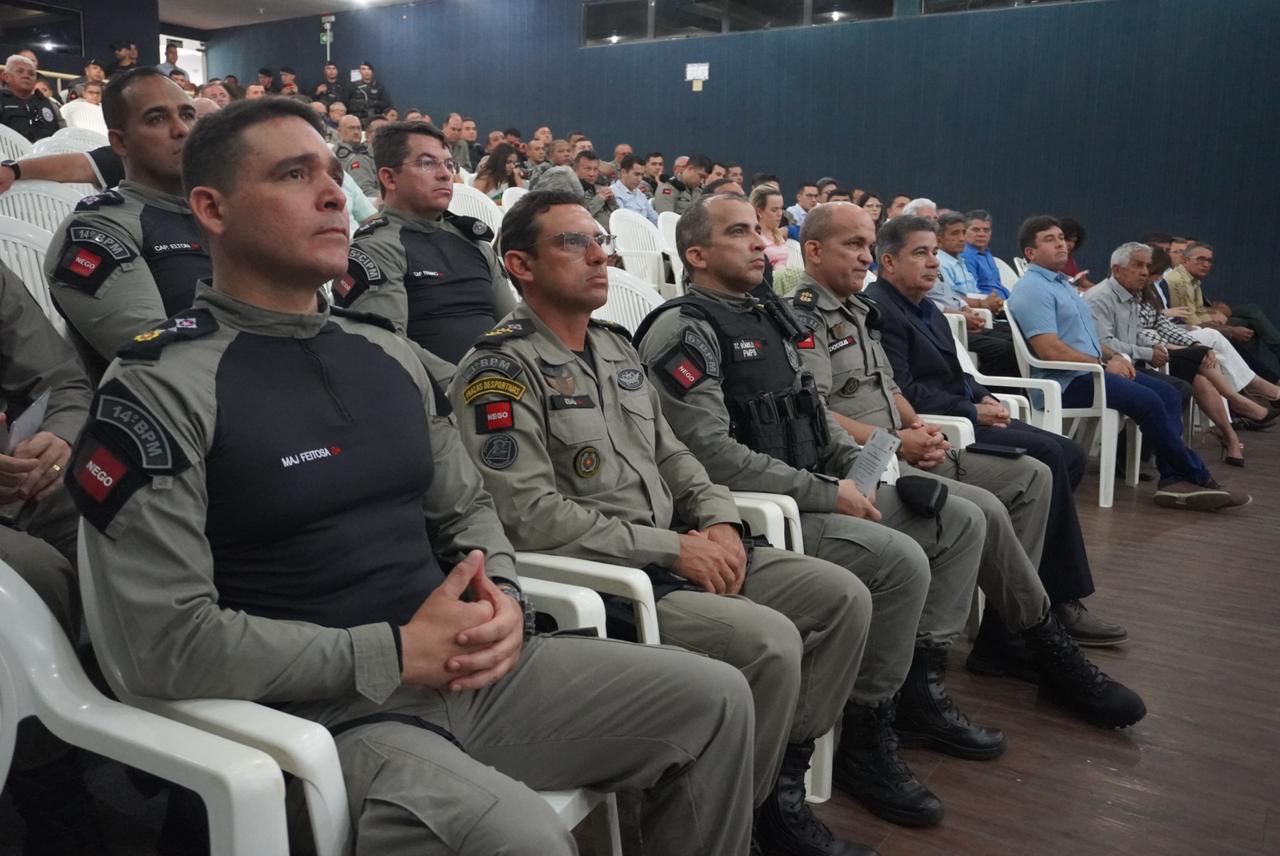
x: 377, y: 267
x: 33, y: 358
x: 664, y: 198
x: 517, y: 466
x: 699, y: 417
x: 110, y: 312
x: 153, y: 569
x: 814, y: 356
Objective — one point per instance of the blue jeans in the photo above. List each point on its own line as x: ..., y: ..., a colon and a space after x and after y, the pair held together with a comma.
x: 1157, y: 408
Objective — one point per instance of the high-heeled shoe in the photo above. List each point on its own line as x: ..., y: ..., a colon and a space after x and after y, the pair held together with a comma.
x: 1227, y: 459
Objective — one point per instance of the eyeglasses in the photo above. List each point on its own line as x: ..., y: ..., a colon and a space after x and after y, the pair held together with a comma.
x: 579, y: 241
x: 430, y: 164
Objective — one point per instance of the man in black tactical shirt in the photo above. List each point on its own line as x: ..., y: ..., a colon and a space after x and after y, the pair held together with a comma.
x: 278, y: 542
x: 368, y: 98
x: 24, y: 109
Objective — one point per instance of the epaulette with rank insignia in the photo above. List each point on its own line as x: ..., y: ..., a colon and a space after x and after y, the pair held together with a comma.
x: 192, y: 324
x: 370, y: 226
x: 612, y: 327
x: 476, y: 230
x: 367, y: 317
x: 805, y: 298
x: 91, y: 203
x: 513, y: 329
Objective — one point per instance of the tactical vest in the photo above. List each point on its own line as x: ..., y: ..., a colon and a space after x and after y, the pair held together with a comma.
x: 769, y: 411
x: 174, y: 249
x: 449, y: 289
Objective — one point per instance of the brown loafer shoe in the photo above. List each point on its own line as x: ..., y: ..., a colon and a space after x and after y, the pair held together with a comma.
x: 1086, y: 628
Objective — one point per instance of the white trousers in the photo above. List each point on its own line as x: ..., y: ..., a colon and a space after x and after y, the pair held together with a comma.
x: 1233, y: 366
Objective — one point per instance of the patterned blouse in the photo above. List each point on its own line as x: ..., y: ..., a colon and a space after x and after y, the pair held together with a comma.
x: 1157, y: 329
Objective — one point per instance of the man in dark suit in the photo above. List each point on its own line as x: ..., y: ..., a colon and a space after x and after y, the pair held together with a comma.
x: 922, y: 352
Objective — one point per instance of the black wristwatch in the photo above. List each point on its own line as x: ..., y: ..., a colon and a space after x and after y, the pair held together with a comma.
x: 526, y: 606
x: 15, y: 166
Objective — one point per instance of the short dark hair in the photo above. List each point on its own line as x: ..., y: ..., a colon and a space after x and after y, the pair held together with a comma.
x: 701, y: 162
x: 367, y: 64
x: 764, y: 178
x: 512, y: 132
x: 712, y: 186
x: 391, y: 145
x: 733, y: 165
x: 585, y: 154
x: 328, y: 64
x: 694, y: 228
x: 216, y: 143
x: 1160, y: 260
x: 1072, y: 228
x: 802, y: 185
x: 520, y: 229
x: 826, y: 181
x: 1033, y: 226
x: 948, y: 219
x: 264, y: 72
x: 715, y: 164
x: 628, y: 161
x: 977, y: 214
x: 115, y: 107
x: 892, y: 236
x: 653, y: 155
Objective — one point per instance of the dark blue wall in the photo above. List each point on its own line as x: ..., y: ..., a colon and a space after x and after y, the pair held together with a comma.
x: 104, y: 22
x: 1126, y: 114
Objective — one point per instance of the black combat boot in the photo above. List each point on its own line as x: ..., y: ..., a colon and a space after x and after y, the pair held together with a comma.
x: 786, y: 826
x: 928, y: 717
x: 998, y: 653
x: 1069, y: 679
x: 869, y: 768
x: 60, y: 816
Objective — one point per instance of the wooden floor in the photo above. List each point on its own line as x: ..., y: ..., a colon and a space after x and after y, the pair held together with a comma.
x: 1200, y: 595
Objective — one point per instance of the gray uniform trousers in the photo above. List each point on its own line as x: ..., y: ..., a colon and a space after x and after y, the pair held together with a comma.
x: 576, y: 712
x: 796, y: 632
x: 1014, y: 495
x: 921, y: 586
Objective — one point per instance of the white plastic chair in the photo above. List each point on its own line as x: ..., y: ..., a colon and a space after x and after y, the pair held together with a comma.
x: 640, y: 245
x: 510, y: 196
x: 667, y: 222
x: 22, y: 247
x: 70, y: 140
x: 470, y: 202
x: 1047, y: 416
x: 13, y: 145
x: 1020, y: 265
x: 630, y: 300
x: 306, y: 750
x: 43, y: 204
x: 1103, y: 423
x: 1007, y: 277
x: 795, y: 256
x: 468, y: 178
x: 241, y: 787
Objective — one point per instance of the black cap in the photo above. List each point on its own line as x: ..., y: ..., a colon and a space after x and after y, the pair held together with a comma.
x: 284, y: 69
x: 265, y: 70
x: 90, y: 62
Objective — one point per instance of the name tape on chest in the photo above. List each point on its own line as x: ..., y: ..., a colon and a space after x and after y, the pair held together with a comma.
x: 840, y: 344
x: 748, y: 349
x: 570, y: 402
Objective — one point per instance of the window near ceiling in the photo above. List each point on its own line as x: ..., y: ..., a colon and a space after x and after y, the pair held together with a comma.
x: 763, y: 14
x: 683, y: 18
x: 613, y: 22
x: 47, y: 29
x: 839, y: 11
x: 930, y: 7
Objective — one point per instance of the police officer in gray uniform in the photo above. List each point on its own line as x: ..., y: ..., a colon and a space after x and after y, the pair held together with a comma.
x: 678, y: 192
x: 724, y: 362
x: 276, y: 539
x: 22, y: 108
x: 569, y: 436
x: 128, y: 258
x: 38, y: 540
x: 852, y: 371
x: 432, y: 273
x: 354, y: 154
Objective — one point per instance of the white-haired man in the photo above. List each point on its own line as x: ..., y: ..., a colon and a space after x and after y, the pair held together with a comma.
x: 24, y: 109
x: 922, y: 207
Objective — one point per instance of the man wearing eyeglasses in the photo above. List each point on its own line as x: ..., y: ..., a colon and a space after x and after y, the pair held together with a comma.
x: 432, y: 273
x: 1246, y: 325
x: 569, y: 436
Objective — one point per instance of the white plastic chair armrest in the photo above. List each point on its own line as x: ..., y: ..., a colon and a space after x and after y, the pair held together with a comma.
x: 763, y: 517
x: 617, y: 580
x: 1019, y: 405
x: 1050, y: 418
x: 790, y: 514
x: 958, y: 429
x: 572, y: 607
x: 959, y: 329
x: 988, y: 320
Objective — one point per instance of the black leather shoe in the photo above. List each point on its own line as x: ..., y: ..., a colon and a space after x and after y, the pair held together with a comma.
x: 998, y: 653
x: 869, y: 769
x: 786, y: 826
x: 1086, y: 628
x: 928, y: 717
x: 1069, y: 679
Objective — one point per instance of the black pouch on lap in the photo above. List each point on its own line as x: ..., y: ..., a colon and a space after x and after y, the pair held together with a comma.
x: 1184, y: 363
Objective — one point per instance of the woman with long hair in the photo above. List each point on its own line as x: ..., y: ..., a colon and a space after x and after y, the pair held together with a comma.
x: 501, y: 170
x: 870, y: 202
x: 768, y: 202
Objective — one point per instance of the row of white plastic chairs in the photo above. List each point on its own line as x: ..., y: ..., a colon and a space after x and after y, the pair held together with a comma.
x: 14, y: 146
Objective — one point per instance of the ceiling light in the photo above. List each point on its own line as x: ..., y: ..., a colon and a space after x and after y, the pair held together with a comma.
x: 614, y: 39
x: 48, y: 46
x: 837, y: 15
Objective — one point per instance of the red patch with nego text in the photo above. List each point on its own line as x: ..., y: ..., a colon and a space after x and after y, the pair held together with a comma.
x: 84, y: 263
x: 806, y: 343
x: 495, y: 416
x: 100, y: 474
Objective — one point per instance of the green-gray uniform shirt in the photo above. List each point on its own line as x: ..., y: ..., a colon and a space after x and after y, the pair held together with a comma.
x: 121, y: 263
x: 438, y: 281
x: 267, y: 496
x: 579, y: 460
x: 461, y: 154
x: 357, y: 160
x: 536, y: 171
x: 598, y: 205
x: 674, y: 195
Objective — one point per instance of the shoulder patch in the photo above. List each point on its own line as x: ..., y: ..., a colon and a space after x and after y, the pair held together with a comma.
x: 612, y: 327
x: 90, y: 256
x: 192, y: 324
x: 493, y: 386
x: 513, y: 329
x: 362, y: 273
x: 695, y: 342
x: 471, y: 227
x: 499, y: 452
x: 366, y: 317
x: 92, y: 203
x: 368, y: 227
x: 491, y: 364
x: 122, y: 448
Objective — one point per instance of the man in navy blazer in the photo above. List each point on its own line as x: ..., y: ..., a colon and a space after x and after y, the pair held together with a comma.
x: 922, y: 352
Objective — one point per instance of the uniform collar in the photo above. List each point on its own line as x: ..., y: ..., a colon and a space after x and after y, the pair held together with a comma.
x: 152, y: 196
x: 740, y: 302
x: 248, y: 318
x: 405, y: 220
x: 826, y: 297
x: 553, y: 351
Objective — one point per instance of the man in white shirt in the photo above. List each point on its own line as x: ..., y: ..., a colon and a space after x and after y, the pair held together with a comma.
x: 626, y: 189
x: 806, y: 198
x: 171, y: 60
x: 86, y: 111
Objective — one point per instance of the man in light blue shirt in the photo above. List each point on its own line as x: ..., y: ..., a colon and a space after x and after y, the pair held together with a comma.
x: 957, y: 293
x: 1059, y: 326
x: 626, y: 189
x: 977, y: 257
